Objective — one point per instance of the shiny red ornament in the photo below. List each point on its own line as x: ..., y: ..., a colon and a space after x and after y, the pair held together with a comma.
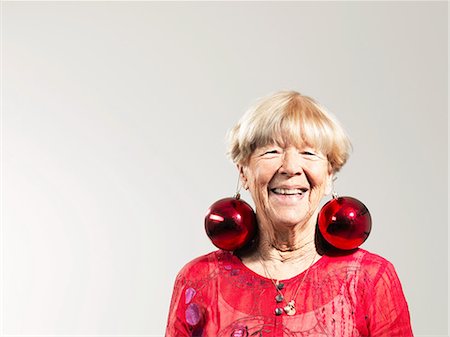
x: 345, y: 222
x: 230, y: 223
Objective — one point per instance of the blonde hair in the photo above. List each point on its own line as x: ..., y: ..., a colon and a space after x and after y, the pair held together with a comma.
x: 287, y: 117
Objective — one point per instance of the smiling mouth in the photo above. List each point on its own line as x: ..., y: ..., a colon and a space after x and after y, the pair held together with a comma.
x: 286, y: 191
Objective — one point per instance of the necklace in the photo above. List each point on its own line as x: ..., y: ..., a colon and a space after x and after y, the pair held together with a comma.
x: 289, y: 308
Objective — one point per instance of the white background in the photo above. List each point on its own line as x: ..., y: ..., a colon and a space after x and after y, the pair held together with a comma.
x: 113, y: 123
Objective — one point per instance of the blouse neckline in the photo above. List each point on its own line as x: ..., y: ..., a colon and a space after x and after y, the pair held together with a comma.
x: 315, y: 265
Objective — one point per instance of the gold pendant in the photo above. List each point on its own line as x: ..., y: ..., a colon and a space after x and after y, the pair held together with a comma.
x: 289, y: 309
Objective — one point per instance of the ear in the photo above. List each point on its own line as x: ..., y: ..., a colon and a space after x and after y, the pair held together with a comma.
x: 329, y: 183
x: 242, y: 176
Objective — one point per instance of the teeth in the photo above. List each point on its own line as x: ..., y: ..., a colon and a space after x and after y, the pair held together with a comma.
x: 287, y: 191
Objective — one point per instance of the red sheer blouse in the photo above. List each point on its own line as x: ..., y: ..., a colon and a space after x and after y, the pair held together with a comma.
x: 358, y: 294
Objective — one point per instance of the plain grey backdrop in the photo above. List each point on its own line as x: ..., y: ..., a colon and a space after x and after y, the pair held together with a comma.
x: 114, y: 116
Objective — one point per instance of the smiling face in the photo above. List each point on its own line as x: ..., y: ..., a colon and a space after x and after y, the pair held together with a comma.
x: 287, y: 147
x: 287, y: 117
x: 287, y: 183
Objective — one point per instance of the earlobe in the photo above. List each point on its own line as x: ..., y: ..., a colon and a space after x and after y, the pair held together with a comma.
x: 330, y: 184
x: 242, y: 176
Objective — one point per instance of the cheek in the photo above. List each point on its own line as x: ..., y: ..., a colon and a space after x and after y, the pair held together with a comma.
x: 261, y: 177
x: 258, y: 186
x: 319, y: 179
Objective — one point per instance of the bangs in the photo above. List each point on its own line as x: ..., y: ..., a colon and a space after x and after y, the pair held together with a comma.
x: 288, y: 118
x: 299, y: 123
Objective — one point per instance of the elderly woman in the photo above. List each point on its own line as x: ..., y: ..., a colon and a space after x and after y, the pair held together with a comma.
x: 287, y: 149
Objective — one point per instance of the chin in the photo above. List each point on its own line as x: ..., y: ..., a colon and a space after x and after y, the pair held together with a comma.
x: 291, y: 221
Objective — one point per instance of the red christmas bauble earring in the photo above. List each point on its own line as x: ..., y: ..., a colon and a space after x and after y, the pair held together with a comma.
x: 230, y: 223
x: 344, y: 222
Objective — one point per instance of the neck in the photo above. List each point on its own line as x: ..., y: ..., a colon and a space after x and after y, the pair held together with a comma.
x: 284, y: 251
x: 287, y: 249
x: 289, y: 244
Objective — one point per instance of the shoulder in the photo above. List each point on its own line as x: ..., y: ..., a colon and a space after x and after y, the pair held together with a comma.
x: 360, y: 256
x: 366, y: 274
x: 204, y: 267
x: 374, y: 264
x: 206, y: 261
x: 362, y: 262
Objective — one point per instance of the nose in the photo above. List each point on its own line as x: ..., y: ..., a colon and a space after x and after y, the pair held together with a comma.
x: 291, y: 164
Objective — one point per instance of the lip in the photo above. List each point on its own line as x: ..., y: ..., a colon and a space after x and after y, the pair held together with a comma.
x: 290, y: 187
x: 288, y: 200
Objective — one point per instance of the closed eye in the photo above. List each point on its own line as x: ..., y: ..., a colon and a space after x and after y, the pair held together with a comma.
x: 270, y: 152
x: 309, y: 153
